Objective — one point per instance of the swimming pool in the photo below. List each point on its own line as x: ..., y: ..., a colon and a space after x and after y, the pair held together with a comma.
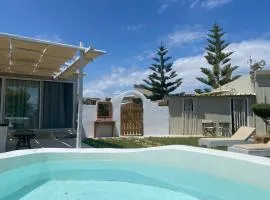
x: 171, y: 172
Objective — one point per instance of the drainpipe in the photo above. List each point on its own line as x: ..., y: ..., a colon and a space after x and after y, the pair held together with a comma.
x: 254, y: 99
x: 80, y: 99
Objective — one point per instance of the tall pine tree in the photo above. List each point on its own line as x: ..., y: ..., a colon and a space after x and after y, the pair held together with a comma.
x: 163, y: 79
x: 221, y: 71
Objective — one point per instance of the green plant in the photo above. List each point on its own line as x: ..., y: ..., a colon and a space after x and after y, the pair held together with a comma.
x: 218, y: 57
x: 262, y: 110
x: 163, y: 79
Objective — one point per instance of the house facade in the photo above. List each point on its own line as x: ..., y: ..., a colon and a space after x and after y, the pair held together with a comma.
x: 229, y: 105
x: 41, y: 82
x: 188, y: 113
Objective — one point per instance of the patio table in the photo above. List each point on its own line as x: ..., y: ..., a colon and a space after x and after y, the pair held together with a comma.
x: 24, y: 136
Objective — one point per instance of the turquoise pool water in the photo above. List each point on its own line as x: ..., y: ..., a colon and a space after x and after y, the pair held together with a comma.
x: 117, y: 179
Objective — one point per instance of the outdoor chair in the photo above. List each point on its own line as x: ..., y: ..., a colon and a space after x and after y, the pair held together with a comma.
x: 241, y: 136
x: 224, y: 129
x: 24, y: 136
x: 208, y: 128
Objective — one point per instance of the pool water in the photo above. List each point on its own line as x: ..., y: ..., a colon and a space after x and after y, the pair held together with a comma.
x: 103, y: 190
x: 107, y: 179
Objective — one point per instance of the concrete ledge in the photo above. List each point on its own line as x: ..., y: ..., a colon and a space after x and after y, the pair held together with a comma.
x: 254, y: 152
x: 228, y: 165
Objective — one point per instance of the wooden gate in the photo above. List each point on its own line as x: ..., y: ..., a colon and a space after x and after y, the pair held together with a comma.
x: 132, y: 119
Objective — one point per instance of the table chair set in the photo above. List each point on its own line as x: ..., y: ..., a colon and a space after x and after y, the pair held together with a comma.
x: 210, y: 128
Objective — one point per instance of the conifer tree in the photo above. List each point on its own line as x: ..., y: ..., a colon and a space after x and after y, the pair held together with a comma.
x: 221, y: 71
x: 163, y: 79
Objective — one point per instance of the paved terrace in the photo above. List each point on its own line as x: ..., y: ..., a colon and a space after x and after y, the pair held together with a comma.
x: 48, y: 139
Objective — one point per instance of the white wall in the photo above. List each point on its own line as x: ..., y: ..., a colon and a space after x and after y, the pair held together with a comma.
x: 155, y: 118
x: 88, y: 118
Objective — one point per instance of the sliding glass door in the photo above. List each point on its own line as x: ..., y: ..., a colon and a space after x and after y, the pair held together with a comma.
x: 57, y: 105
x: 22, y: 103
x: 22, y: 109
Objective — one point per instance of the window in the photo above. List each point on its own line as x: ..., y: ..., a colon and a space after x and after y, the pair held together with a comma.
x: 22, y: 103
x: 188, y: 105
x: 104, y: 110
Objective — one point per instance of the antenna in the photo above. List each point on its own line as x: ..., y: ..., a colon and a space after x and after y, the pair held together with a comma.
x: 262, y: 62
x: 250, y: 61
x: 256, y: 66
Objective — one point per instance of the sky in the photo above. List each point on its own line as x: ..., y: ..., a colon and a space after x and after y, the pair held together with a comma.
x: 130, y: 31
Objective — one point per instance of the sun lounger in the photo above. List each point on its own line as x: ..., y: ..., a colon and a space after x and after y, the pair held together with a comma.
x: 241, y: 136
x: 252, y: 149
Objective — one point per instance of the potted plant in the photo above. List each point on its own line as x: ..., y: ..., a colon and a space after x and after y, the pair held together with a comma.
x: 263, y: 111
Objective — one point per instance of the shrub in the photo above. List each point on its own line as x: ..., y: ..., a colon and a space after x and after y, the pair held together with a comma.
x: 262, y: 110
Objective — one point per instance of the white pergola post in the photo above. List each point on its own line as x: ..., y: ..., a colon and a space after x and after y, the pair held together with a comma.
x: 80, y: 99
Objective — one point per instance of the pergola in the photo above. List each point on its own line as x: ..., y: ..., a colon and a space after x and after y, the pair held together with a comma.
x: 38, y: 58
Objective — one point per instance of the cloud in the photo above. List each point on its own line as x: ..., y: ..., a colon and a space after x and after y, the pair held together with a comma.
x: 209, y: 4
x: 121, y: 79
x: 189, y: 67
x: 194, y: 3
x: 147, y: 54
x: 165, y: 5
x: 118, y: 80
x: 133, y: 28
x: 182, y: 36
x: 139, y: 58
x: 185, y: 36
x: 265, y: 35
x: 162, y: 8
x: 49, y: 37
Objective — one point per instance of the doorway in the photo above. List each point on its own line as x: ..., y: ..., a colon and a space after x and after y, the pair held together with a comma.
x: 238, y: 113
x: 189, y: 117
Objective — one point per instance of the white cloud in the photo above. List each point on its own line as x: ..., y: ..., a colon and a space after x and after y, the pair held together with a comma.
x: 183, y: 37
x: 147, y: 54
x: 194, y: 3
x: 162, y: 8
x: 165, y: 5
x: 139, y: 58
x: 209, y: 4
x: 49, y: 37
x: 133, y: 28
x: 118, y: 79
x: 188, y: 68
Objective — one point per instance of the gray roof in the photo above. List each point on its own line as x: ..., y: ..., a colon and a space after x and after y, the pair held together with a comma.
x: 238, y: 87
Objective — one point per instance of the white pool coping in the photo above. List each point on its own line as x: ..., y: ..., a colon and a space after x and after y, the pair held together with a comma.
x: 205, y: 151
x: 242, y: 168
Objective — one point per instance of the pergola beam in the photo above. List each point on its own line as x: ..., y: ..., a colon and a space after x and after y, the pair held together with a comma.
x: 78, y: 60
x: 10, y: 54
x: 27, y: 39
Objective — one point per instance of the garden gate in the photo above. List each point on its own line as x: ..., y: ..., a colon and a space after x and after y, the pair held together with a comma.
x: 132, y: 119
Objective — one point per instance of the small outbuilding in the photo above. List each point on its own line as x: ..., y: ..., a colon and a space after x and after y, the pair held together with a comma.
x: 223, y: 110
